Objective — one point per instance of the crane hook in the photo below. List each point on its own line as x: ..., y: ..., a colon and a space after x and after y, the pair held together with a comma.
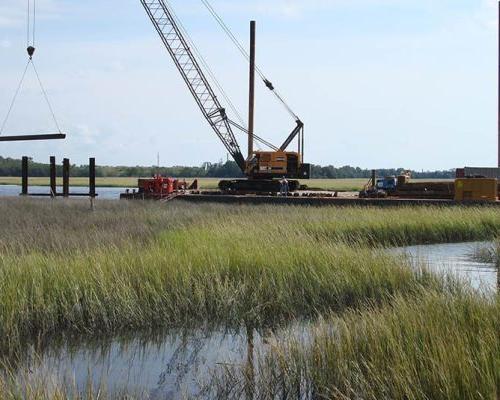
x: 31, y: 51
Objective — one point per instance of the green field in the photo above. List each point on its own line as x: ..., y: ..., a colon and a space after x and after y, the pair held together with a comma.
x: 68, y: 271
x: 348, y: 185
x: 100, y: 182
x: 205, y: 183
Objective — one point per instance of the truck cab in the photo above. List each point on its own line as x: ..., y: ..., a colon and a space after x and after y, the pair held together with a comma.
x: 387, y: 184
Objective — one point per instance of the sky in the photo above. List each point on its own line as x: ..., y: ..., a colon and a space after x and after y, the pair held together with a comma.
x: 378, y: 83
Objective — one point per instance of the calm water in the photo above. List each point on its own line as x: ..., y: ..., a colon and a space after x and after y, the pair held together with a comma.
x: 454, y: 258
x: 181, y: 363
x: 176, y: 365
x: 104, y: 193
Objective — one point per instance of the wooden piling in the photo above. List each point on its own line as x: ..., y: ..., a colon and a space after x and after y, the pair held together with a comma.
x: 66, y: 166
x: 53, y: 177
x: 251, y: 102
x: 250, y: 364
x: 92, y: 192
x: 25, y: 173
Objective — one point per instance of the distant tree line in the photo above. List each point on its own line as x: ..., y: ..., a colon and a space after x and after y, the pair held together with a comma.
x: 229, y: 169
x: 12, y: 167
x: 348, y: 172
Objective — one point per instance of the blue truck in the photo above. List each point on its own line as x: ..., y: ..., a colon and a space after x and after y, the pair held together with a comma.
x: 383, y: 187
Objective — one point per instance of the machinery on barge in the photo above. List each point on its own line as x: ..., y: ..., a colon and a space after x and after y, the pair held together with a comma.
x: 263, y: 169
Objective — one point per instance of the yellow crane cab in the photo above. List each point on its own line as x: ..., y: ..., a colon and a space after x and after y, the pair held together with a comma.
x: 276, y: 164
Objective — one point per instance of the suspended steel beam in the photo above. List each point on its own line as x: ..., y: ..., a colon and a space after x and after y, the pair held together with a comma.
x: 21, y: 138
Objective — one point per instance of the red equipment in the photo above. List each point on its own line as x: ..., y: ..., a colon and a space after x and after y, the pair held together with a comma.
x: 159, y: 187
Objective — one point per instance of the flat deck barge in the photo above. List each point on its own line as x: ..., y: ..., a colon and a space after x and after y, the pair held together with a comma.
x: 320, y: 201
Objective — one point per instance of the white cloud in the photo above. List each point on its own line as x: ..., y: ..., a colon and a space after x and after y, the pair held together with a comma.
x: 85, y: 134
x: 122, y: 100
x: 297, y: 8
x: 487, y: 14
x: 13, y: 12
x: 5, y: 44
x: 9, y: 18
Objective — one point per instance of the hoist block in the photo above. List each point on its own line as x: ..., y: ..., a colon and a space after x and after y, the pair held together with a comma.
x: 31, y: 51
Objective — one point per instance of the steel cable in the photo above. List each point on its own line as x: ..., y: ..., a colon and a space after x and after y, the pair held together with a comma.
x: 245, y: 54
x: 31, y: 24
x: 46, y: 97
x: 14, y: 98
x: 205, y: 64
x: 34, y: 22
x: 31, y: 35
x: 28, y: 24
x: 210, y: 72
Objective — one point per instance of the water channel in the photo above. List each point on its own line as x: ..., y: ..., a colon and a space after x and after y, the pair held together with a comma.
x: 179, y: 364
x: 105, y: 193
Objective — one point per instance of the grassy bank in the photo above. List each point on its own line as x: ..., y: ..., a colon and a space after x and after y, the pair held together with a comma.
x: 349, y: 185
x: 131, y: 265
x: 212, y: 271
x: 435, y: 347
x: 128, y: 266
x: 32, y: 226
x: 488, y: 254
x: 205, y: 183
x: 78, y: 182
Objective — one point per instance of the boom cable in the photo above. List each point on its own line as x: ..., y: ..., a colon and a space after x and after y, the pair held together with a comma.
x: 205, y: 64
x: 214, y: 79
x: 245, y: 54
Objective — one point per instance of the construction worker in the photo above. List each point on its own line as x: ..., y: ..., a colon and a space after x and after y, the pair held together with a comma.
x: 284, y: 186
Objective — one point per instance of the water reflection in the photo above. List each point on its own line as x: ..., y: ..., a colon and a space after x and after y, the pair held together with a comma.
x: 181, y: 363
x: 176, y: 365
x: 106, y: 193
x: 457, y: 259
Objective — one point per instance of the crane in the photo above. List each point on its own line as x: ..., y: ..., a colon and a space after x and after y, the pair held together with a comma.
x: 261, y: 168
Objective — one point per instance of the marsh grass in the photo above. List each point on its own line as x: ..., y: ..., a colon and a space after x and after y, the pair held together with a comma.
x: 64, y: 268
x: 191, y: 277
x: 127, y: 266
x: 62, y: 227
x: 28, y: 385
x: 434, y: 347
x: 488, y: 254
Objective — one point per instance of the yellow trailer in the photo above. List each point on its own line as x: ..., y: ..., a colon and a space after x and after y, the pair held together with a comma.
x: 476, y: 189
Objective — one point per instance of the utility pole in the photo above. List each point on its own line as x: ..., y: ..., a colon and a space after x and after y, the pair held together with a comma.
x: 499, y: 84
x: 251, y: 102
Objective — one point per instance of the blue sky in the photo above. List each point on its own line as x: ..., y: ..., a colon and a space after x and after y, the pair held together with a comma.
x: 379, y: 83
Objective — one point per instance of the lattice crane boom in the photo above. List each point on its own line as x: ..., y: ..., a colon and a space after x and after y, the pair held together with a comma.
x: 170, y: 33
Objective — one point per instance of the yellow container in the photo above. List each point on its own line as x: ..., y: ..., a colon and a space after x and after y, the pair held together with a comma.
x: 476, y: 189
